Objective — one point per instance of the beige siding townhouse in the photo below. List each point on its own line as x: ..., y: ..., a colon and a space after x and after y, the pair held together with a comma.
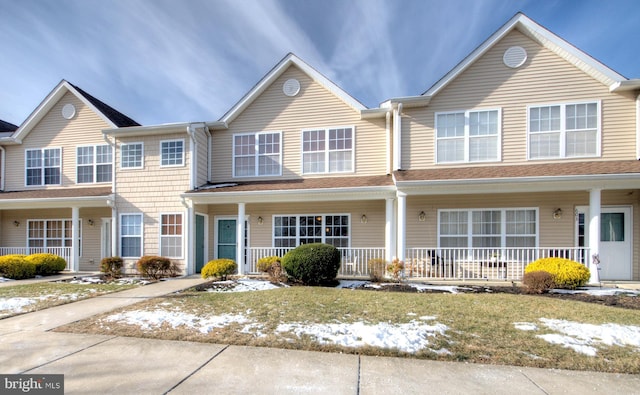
x: 57, y: 178
x: 527, y: 148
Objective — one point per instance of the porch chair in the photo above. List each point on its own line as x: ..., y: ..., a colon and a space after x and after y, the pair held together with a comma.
x: 350, y: 262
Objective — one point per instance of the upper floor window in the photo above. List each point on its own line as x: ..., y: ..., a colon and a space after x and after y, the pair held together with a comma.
x: 43, y: 166
x: 327, y: 150
x: 469, y: 136
x: 564, y: 130
x: 257, y: 154
x: 94, y: 164
x: 172, y: 153
x: 131, y: 155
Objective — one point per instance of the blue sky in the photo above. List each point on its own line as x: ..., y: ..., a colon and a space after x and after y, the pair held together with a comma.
x: 163, y: 61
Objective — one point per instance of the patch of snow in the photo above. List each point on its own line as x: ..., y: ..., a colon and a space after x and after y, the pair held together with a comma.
x: 597, y: 291
x: 410, y: 337
x: 242, y: 285
x: 525, y: 326
x: 4, y: 279
x: 576, y: 345
x: 15, y: 305
x: 352, y: 284
x: 147, y: 320
x: 444, y: 288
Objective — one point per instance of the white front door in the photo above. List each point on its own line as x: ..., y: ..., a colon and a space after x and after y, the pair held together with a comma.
x: 616, y: 240
x: 105, y: 238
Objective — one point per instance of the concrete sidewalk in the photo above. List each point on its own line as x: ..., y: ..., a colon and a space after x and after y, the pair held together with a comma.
x: 96, y: 364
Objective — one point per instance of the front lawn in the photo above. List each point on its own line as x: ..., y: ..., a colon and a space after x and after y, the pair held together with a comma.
x: 485, y: 328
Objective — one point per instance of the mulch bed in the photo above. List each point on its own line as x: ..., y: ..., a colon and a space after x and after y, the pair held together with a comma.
x: 623, y: 301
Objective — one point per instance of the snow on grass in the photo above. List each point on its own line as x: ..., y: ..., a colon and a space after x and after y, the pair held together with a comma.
x: 148, y: 320
x: 596, y: 291
x: 584, y: 338
x: 15, y: 304
x: 353, y: 284
x: 241, y: 285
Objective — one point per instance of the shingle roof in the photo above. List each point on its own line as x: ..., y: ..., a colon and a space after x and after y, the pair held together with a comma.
x: 56, y: 193
x: 118, y: 118
x: 6, y: 127
x: 299, y: 184
x: 515, y: 171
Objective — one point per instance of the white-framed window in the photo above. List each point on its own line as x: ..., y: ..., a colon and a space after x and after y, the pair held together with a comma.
x: 171, y: 235
x: 488, y: 228
x: 43, y: 166
x: 329, y: 150
x: 468, y: 136
x: 294, y: 230
x: 171, y: 153
x: 130, y: 235
x: 131, y: 156
x: 48, y: 233
x: 94, y: 163
x: 257, y: 154
x: 567, y: 130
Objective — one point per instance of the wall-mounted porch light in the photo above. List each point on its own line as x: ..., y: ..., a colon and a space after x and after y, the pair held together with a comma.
x: 90, y: 222
x: 364, y: 219
x: 16, y: 223
x: 422, y: 216
x: 557, y: 213
x: 260, y: 221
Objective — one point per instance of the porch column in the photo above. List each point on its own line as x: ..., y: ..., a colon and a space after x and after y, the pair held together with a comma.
x: 402, y: 224
x: 389, y: 240
x: 240, y: 238
x: 594, y: 234
x: 190, y: 241
x: 75, y: 235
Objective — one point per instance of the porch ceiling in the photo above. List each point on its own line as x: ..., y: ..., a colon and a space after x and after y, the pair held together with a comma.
x: 56, y: 198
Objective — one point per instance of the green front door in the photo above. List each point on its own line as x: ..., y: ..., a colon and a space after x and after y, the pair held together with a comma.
x: 199, y: 243
x: 227, y: 240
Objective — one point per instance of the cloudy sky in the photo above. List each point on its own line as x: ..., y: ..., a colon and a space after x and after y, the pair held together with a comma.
x: 163, y: 61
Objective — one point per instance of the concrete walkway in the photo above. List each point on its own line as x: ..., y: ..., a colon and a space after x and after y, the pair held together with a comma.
x: 97, y: 364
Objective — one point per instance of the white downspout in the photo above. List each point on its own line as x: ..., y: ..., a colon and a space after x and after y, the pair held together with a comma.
x: 193, y: 155
x: 111, y: 201
x: 3, y: 162
x: 397, y: 137
x: 388, y: 137
x: 209, y: 153
x: 637, y: 129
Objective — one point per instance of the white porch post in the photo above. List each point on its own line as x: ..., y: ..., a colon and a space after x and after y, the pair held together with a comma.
x: 75, y: 235
x: 402, y: 225
x: 594, y: 233
x: 240, y: 238
x: 190, y: 241
x: 389, y: 240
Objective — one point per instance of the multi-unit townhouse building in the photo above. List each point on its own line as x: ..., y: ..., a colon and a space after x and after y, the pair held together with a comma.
x: 527, y: 148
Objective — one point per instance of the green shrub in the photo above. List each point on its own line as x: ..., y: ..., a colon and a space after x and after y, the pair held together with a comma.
x: 377, y: 268
x: 16, y: 267
x: 272, y: 266
x: 565, y: 272
x: 265, y: 263
x: 154, y: 267
x: 312, y: 264
x: 219, y: 268
x: 537, y: 282
x: 47, y: 264
x: 112, y: 266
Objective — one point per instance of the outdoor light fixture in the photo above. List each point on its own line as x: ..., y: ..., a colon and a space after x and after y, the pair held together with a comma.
x: 364, y: 219
x: 260, y: 221
x: 557, y: 214
x: 90, y: 222
x: 422, y: 216
x: 16, y: 223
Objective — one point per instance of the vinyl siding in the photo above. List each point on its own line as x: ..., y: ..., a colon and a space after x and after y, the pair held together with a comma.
x: 545, y: 78
x: 313, y: 107
x: 203, y: 160
x: 55, y: 131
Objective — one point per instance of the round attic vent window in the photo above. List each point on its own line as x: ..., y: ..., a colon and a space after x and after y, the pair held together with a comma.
x: 291, y: 87
x: 68, y: 111
x: 514, y: 57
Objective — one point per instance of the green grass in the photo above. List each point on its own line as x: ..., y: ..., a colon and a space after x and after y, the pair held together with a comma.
x: 49, y: 294
x: 481, y: 326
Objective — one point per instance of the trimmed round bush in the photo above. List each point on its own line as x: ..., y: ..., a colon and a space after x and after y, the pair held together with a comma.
x: 47, y: 264
x: 112, y: 266
x: 16, y: 267
x: 312, y: 264
x: 565, y: 272
x: 537, y: 282
x: 219, y: 268
x: 154, y: 267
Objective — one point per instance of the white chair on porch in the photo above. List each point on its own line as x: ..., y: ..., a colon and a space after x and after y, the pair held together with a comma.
x: 350, y: 264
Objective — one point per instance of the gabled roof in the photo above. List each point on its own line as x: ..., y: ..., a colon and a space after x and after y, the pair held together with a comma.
x: 111, y: 116
x: 6, y: 128
x: 276, y: 72
x: 547, y: 39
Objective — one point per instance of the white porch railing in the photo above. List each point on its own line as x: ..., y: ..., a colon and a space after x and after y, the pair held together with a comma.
x: 482, y: 263
x: 354, y: 260
x: 64, y: 252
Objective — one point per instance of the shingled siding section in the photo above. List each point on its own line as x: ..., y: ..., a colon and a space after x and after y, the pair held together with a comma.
x: 313, y: 107
x: 55, y: 131
x: 153, y: 190
x: 545, y: 78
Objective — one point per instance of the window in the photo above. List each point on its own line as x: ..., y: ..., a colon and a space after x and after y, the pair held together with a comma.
x: 327, y: 150
x: 470, y: 136
x: 131, y: 235
x: 50, y: 233
x: 257, y: 154
x: 172, y: 153
x: 171, y: 235
x: 94, y: 164
x: 487, y: 228
x: 131, y: 155
x: 293, y: 230
x: 43, y: 166
x: 564, y: 130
